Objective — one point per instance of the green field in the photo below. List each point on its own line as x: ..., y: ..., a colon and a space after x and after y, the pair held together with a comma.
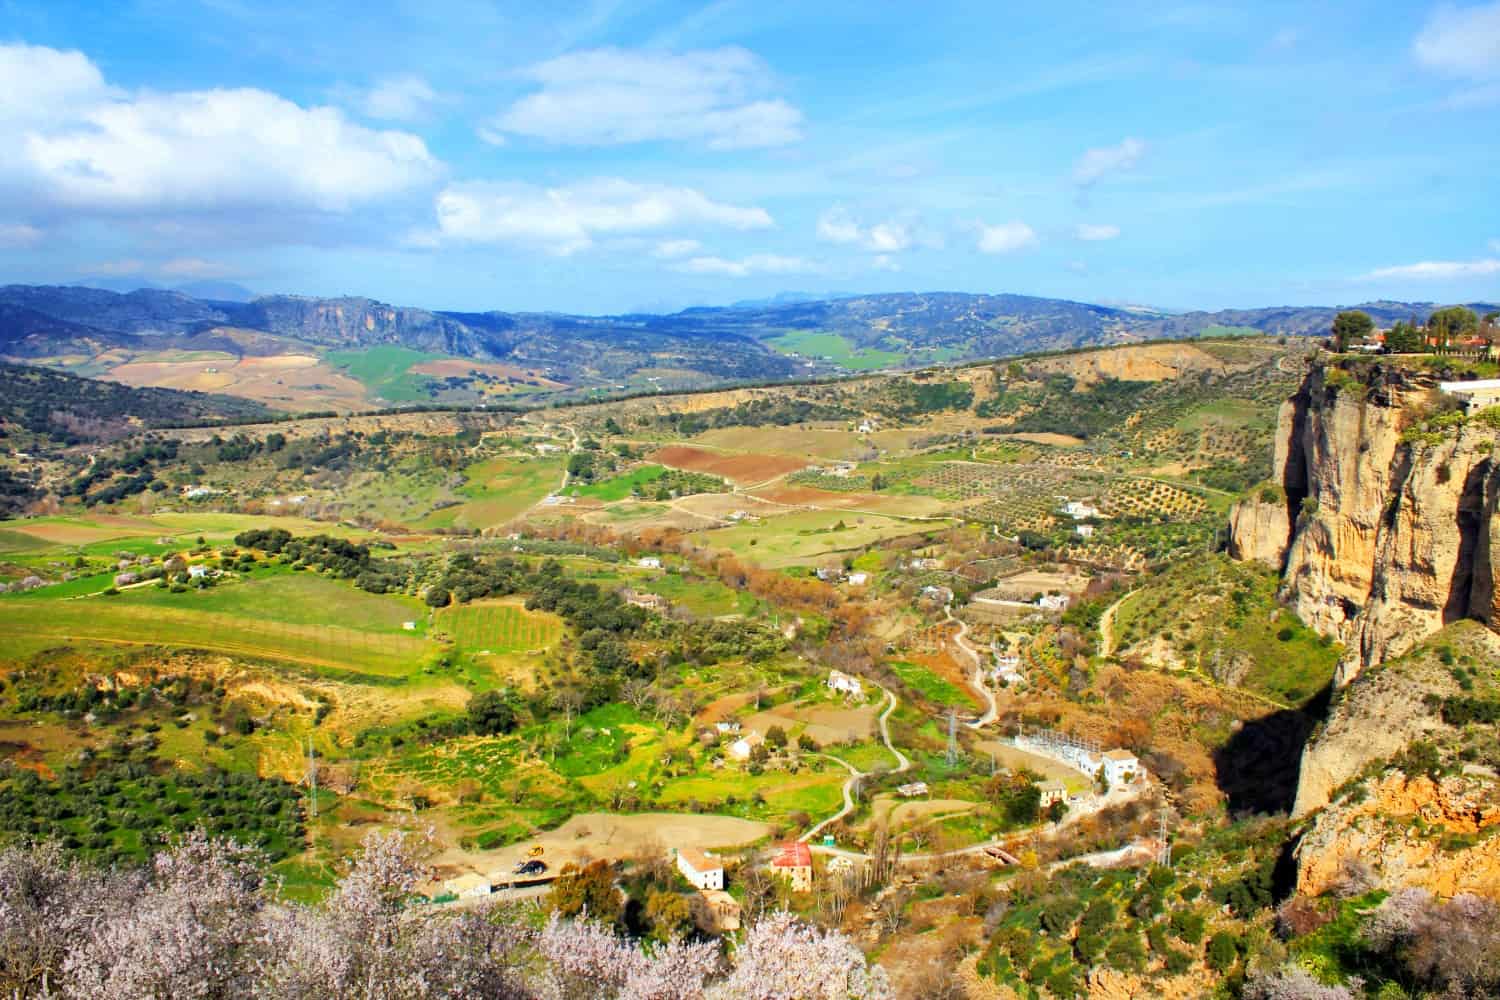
x: 122, y: 621
x: 795, y: 539
x: 384, y: 370
x: 620, y: 487
x: 836, y: 348
x: 499, y: 627
x: 498, y: 490
x: 930, y: 685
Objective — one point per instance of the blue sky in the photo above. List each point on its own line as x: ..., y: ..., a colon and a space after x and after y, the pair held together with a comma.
x: 616, y: 156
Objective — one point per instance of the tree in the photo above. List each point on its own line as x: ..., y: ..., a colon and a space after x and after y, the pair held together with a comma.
x: 1350, y: 327
x: 589, y: 889
x: 1222, y: 951
x: 669, y: 914
x: 490, y: 714
x: 1452, y: 322
x: 776, y: 736
x: 1403, y: 338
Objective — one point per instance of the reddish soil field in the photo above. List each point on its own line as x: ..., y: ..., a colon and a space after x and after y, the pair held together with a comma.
x: 739, y: 469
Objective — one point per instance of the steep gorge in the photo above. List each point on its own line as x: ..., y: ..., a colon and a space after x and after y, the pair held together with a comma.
x: 1383, y: 521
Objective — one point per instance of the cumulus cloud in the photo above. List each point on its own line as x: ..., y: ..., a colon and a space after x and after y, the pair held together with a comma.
x: 403, y: 98
x: 1436, y: 270
x: 1461, y: 41
x: 1095, y: 234
x: 18, y: 236
x: 718, y: 98
x: 1007, y: 237
x: 673, y: 249
x: 566, y: 219
x: 838, y: 225
x: 1097, y: 163
x: 763, y: 263
x: 78, y: 144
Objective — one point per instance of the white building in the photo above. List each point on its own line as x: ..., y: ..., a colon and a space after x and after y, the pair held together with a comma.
x: 1078, y: 510
x: 727, y: 727
x: 912, y: 789
x: 1052, y: 791
x: 197, y: 572
x: 942, y: 595
x: 740, y: 749
x: 1053, y: 602
x: 1084, y: 530
x: 699, y: 868
x: 1120, y: 766
x: 1008, y: 670
x: 843, y: 683
x: 858, y: 579
x: 648, y: 562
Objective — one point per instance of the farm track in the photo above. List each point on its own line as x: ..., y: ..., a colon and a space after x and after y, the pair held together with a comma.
x: 1107, y: 626
x: 903, y: 763
x: 961, y: 639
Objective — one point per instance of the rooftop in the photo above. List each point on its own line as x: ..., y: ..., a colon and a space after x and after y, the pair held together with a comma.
x: 697, y: 860
x: 793, y: 854
x: 1118, y: 755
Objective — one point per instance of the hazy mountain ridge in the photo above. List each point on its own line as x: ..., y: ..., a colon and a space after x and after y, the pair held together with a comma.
x: 712, y: 343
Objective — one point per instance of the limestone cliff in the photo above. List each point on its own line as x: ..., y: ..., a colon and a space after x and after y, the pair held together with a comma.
x: 1390, y: 782
x: 1387, y: 530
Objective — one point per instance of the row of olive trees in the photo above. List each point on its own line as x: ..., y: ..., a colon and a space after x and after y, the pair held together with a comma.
x: 200, y: 923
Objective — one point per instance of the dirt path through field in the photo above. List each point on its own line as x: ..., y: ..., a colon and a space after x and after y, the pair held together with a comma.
x: 902, y: 764
x: 1107, y: 626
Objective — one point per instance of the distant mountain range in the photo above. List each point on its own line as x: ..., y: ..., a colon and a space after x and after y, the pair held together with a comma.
x: 752, y: 340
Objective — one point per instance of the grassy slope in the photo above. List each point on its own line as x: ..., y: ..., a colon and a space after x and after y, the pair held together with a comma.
x: 384, y: 371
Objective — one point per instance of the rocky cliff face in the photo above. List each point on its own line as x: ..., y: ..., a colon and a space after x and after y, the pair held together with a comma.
x: 1390, y: 784
x: 1386, y: 535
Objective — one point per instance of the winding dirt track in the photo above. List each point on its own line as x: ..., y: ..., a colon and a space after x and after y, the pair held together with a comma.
x: 902, y: 764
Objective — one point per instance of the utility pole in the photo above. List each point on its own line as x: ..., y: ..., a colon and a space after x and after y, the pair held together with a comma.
x: 312, y: 778
x: 1164, y: 856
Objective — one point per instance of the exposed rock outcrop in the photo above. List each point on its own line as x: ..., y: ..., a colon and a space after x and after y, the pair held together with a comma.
x: 1410, y: 833
x: 1390, y: 533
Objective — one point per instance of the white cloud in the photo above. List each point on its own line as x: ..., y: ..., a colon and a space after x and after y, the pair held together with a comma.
x: 885, y: 262
x: 18, y: 236
x: 400, y: 98
x: 76, y: 143
x: 1436, y: 270
x: 1095, y: 234
x: 764, y: 263
x: 1461, y: 41
x: 837, y: 225
x: 1097, y: 163
x: 719, y: 98
x: 116, y: 268
x: 569, y: 218
x: 1007, y: 237
x: 673, y: 249
x: 195, y: 267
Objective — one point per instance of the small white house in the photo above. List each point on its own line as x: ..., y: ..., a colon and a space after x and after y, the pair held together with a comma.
x: 740, y: 749
x: 197, y: 572
x: 727, y: 727
x: 844, y: 684
x: 1084, y: 530
x: 701, y: 869
x: 858, y: 579
x: 1053, y: 602
x: 1120, y: 766
x: 828, y: 574
x: 1052, y: 791
x: 912, y: 789
x: 942, y: 595
x: 1078, y: 510
x: 409, y: 626
x: 648, y: 562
